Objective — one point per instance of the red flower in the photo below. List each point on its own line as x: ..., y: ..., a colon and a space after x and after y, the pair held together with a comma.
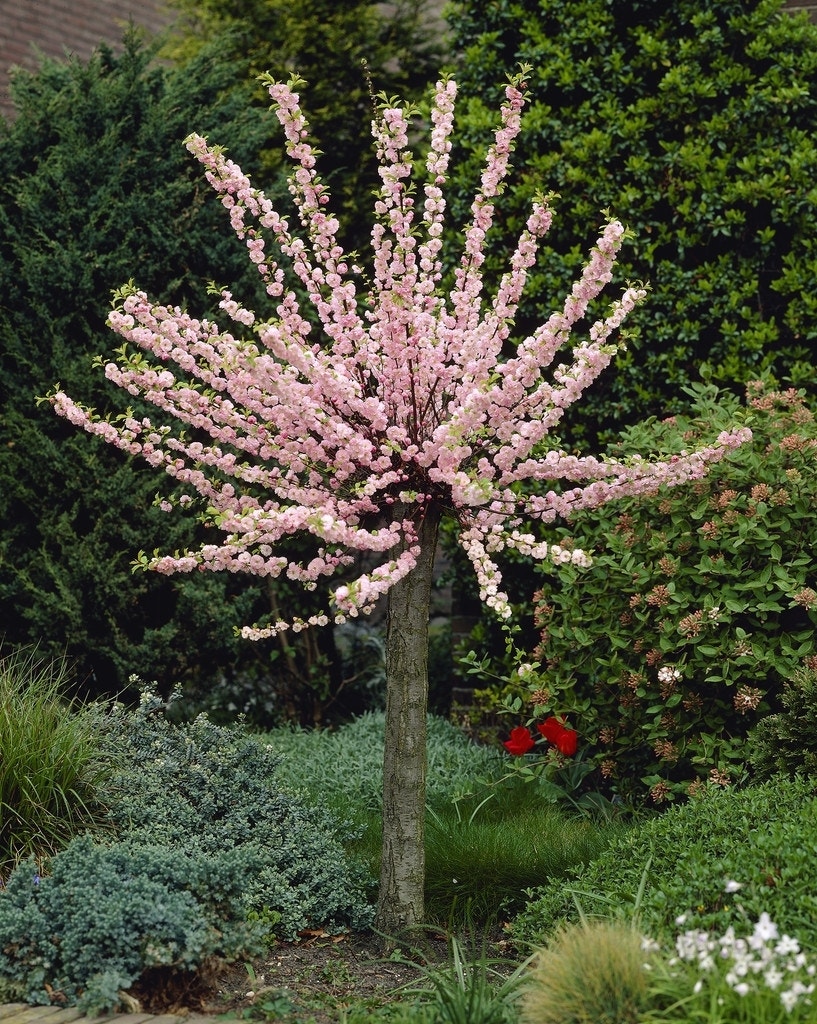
x: 565, y: 740
x: 551, y: 729
x: 520, y: 742
x: 568, y: 742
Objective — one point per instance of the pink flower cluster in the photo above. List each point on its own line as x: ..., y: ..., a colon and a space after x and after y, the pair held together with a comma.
x: 401, y: 402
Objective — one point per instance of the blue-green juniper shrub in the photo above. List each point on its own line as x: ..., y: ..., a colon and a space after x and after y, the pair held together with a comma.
x: 106, y: 914
x: 203, y: 789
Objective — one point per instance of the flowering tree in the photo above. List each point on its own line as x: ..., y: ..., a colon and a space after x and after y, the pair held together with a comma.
x: 406, y: 410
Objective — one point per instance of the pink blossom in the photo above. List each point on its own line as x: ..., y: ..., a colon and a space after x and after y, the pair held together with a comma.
x: 353, y: 424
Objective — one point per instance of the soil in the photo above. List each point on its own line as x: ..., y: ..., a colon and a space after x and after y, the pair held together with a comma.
x: 313, y: 981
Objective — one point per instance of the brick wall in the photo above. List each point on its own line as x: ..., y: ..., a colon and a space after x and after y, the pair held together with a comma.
x: 57, y: 27
x: 804, y: 5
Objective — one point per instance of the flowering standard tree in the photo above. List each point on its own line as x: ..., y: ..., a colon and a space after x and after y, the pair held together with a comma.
x: 401, y: 408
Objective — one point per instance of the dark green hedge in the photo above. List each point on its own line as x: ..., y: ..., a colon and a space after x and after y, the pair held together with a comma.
x: 694, y: 122
x: 97, y: 188
x: 344, y: 50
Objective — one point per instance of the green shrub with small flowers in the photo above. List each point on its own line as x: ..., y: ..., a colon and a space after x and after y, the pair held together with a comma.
x: 753, y: 975
x: 610, y: 971
x: 699, y: 604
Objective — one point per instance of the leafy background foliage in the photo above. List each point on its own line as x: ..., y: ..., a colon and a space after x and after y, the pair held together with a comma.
x: 345, y: 50
x: 97, y: 188
x: 694, y: 123
x: 713, y: 582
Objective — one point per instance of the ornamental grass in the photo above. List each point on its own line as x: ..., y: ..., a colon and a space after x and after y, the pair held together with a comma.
x: 591, y: 973
x: 49, y: 758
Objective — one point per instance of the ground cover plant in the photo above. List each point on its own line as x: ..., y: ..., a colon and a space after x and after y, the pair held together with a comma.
x: 611, y: 971
x: 204, y: 789
x: 760, y: 840
x: 106, y: 916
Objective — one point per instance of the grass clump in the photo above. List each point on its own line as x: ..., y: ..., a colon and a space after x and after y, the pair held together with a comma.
x: 471, y: 989
x: 591, y: 973
x: 49, y: 758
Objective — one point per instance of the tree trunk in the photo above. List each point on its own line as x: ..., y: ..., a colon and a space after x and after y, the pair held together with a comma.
x: 402, y: 873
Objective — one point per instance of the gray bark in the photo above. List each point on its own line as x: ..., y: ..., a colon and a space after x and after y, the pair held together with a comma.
x: 402, y: 872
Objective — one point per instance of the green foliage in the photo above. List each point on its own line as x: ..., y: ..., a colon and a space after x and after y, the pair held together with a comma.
x: 204, y: 790
x: 479, y: 865
x: 763, y: 838
x: 475, y: 989
x: 355, y: 751
x: 694, y: 122
x: 698, y: 605
x: 327, y: 42
x: 96, y: 182
x: 488, y: 837
x: 105, y: 915
x: 588, y: 974
x: 787, y: 742
x: 50, y: 761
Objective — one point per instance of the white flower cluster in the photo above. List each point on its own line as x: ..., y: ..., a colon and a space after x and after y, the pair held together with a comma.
x: 763, y: 959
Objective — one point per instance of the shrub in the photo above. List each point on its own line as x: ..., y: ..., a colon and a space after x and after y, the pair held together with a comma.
x: 105, y: 915
x: 203, y: 790
x: 763, y: 838
x: 785, y: 742
x: 677, y: 640
x: 50, y: 761
x: 694, y: 122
